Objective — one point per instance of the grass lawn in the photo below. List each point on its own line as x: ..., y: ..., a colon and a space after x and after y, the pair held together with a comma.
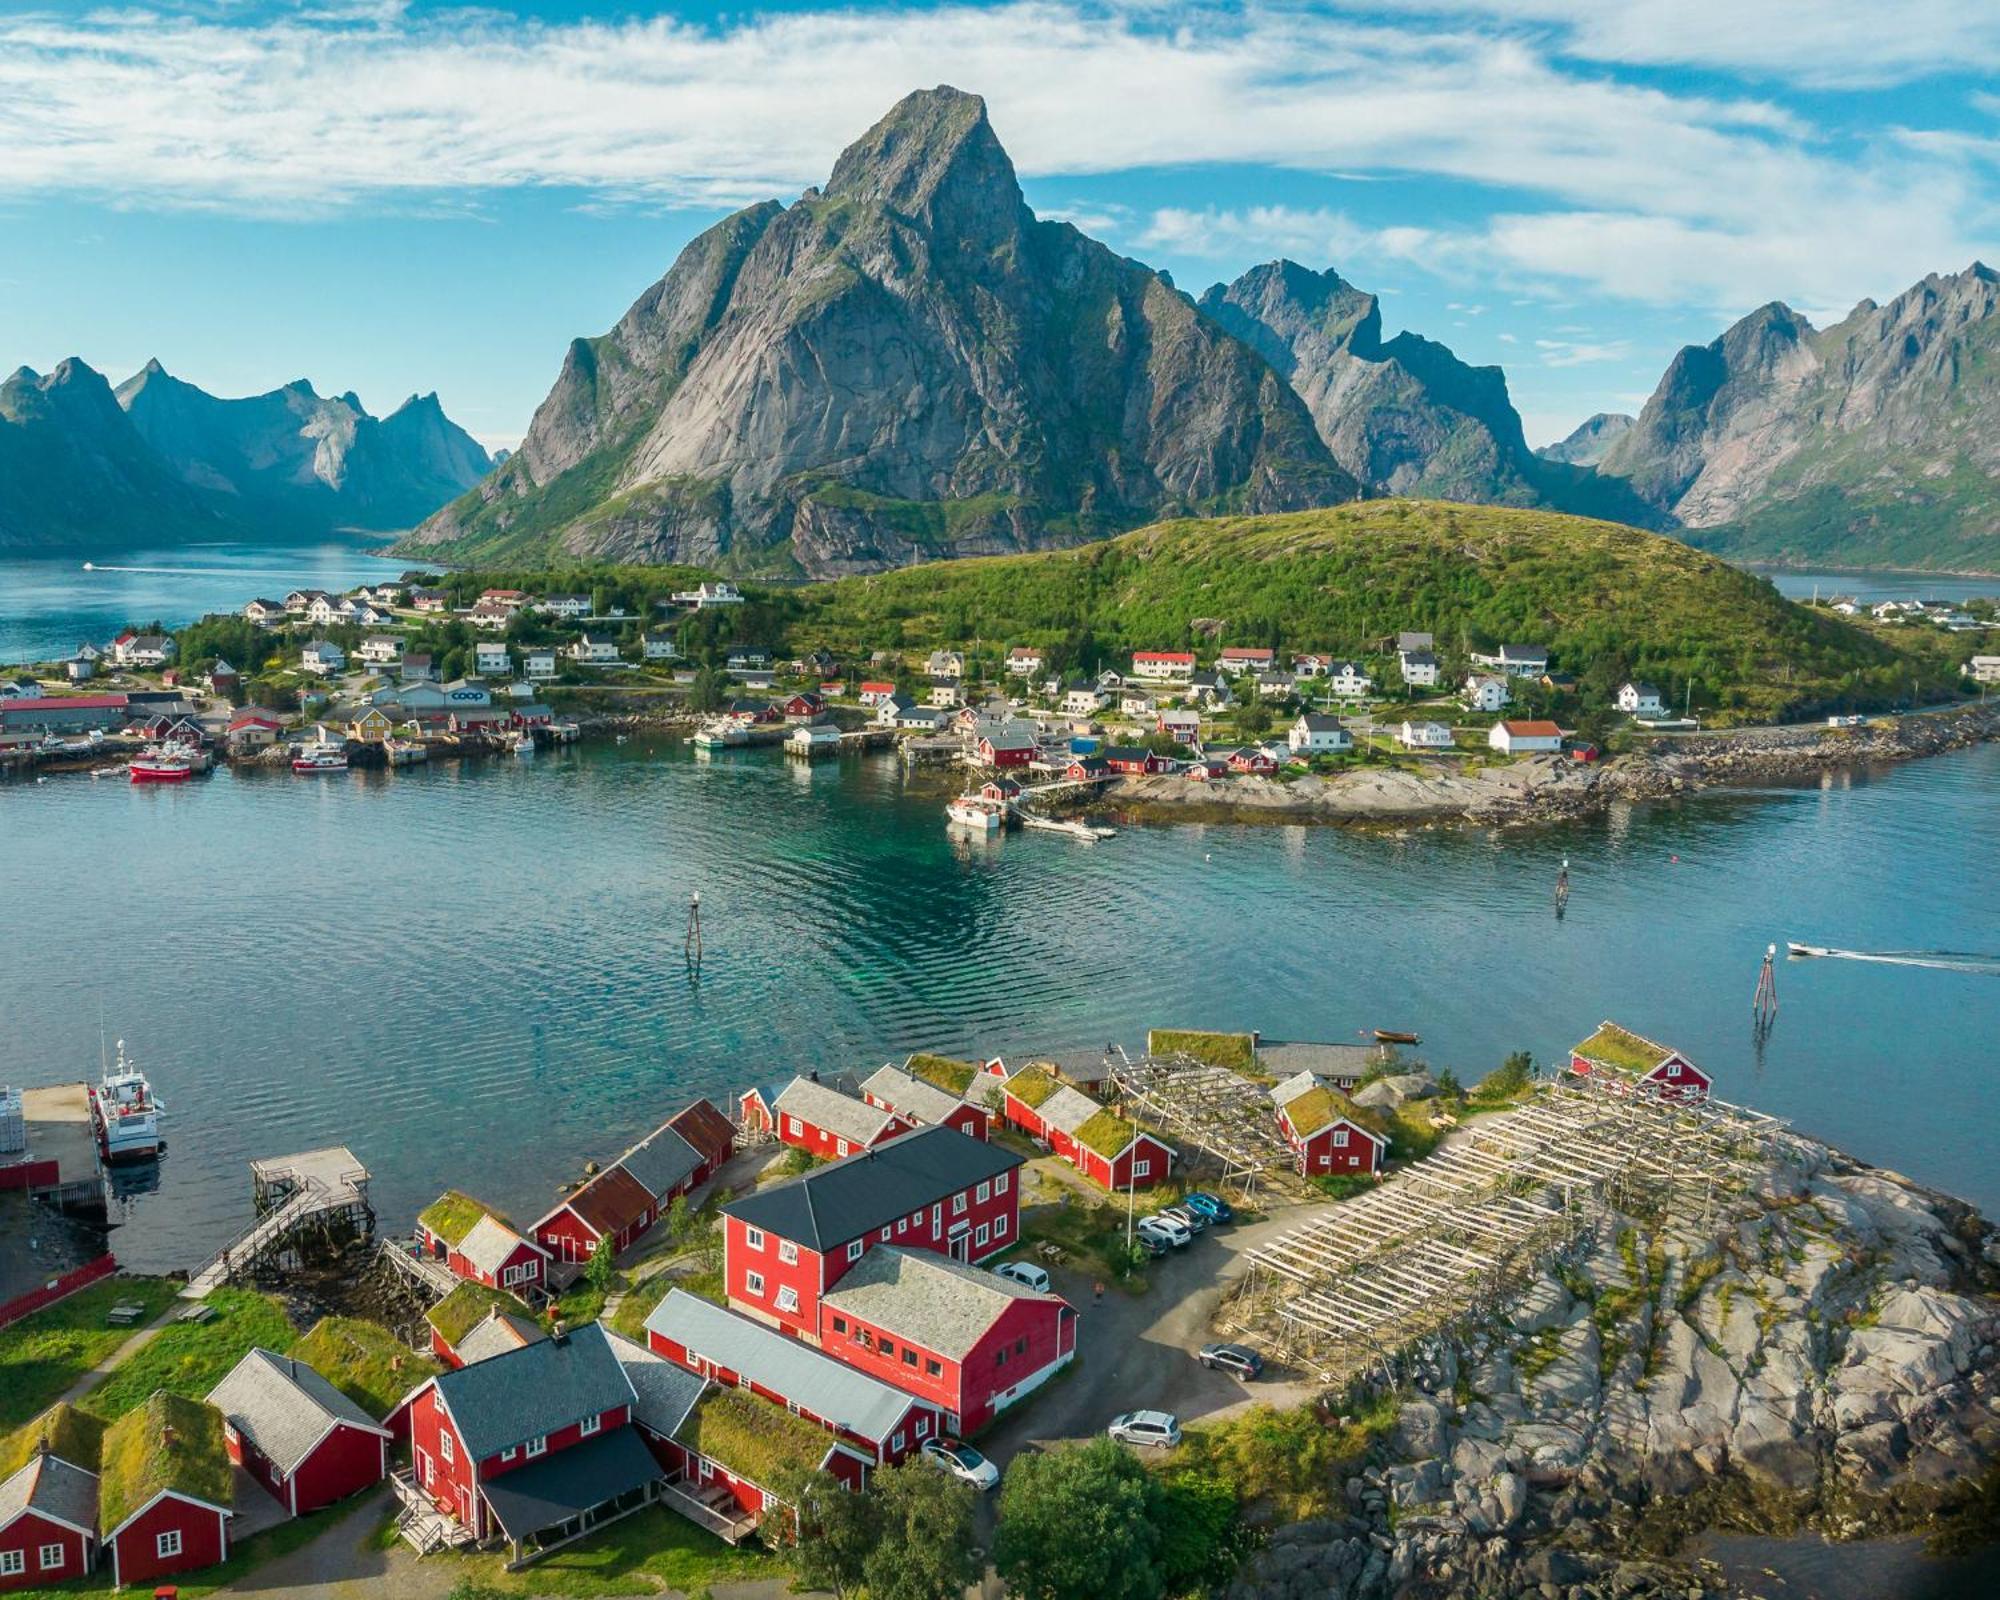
x: 42, y: 1355
x: 244, y: 1560
x: 630, y: 1317
x: 1094, y: 1236
x: 364, y: 1361
x: 190, y: 1359
x: 652, y: 1549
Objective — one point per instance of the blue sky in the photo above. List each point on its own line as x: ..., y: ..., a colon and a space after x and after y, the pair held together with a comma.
x: 397, y: 197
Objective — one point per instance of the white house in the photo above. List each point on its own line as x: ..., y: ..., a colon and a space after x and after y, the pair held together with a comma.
x: 1640, y: 700
x: 709, y: 594
x: 1524, y: 737
x: 1420, y: 669
x: 594, y: 649
x: 491, y: 659
x: 1424, y: 736
x: 1163, y: 666
x: 539, y: 662
x: 747, y: 661
x: 1310, y: 666
x: 1086, y: 699
x: 265, y: 612
x: 1983, y: 669
x: 430, y: 600
x: 1137, y: 703
x: 877, y: 692
x: 1346, y: 679
x: 1486, y: 692
x: 1238, y: 659
x: 23, y: 688
x: 142, y: 650
x: 380, y: 650
x: 324, y: 610
x: 492, y: 615
x: 1210, y: 689
x: 1517, y: 660
x: 1315, y: 733
x: 569, y: 607
x: 322, y: 658
x: 659, y: 646
x: 299, y: 601
x: 1024, y: 661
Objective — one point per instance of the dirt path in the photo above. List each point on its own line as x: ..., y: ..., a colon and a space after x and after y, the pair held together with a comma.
x: 139, y: 1339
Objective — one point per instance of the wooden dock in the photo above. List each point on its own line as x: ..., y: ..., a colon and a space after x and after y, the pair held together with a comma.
x: 314, y: 1191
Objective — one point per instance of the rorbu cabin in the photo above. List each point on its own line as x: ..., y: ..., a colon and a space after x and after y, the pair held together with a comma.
x: 1621, y: 1057
x: 48, y: 1498
x: 819, y: 1119
x: 165, y: 1490
x: 923, y: 1102
x: 1329, y: 1134
x: 296, y: 1434
x: 475, y: 1323
x: 479, y: 1245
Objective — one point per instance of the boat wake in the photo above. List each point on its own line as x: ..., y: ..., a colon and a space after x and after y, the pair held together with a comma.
x: 1941, y: 960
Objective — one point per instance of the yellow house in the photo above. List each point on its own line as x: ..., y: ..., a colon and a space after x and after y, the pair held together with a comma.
x: 369, y: 724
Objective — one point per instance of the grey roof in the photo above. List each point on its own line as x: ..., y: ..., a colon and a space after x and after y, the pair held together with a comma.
x: 1088, y: 1065
x: 906, y: 1092
x: 530, y: 1392
x: 666, y: 1392
x: 1411, y: 643
x: 1321, y: 1060
x: 941, y: 1304
x: 54, y: 1487
x: 833, y: 1204
x: 1320, y: 722
x: 829, y: 1388
x: 1067, y: 1109
x: 660, y: 1160
x: 1285, y: 1092
x: 489, y: 1243
x: 1523, y: 652
x: 283, y: 1407
x: 1419, y: 658
x: 839, y: 1114
x: 564, y: 1485
x: 497, y: 1335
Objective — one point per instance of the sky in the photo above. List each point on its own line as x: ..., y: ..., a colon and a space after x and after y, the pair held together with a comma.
x: 398, y: 196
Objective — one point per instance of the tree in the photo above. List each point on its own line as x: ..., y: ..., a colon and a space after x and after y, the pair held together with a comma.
x: 924, y: 1550
x: 835, y: 1530
x: 1079, y: 1523
x: 602, y: 1267
x: 1509, y: 1078
x: 707, y: 691
x: 1201, y: 1539
x: 680, y: 1219
x: 1448, y: 1085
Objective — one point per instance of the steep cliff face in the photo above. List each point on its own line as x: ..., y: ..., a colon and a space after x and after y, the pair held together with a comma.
x: 904, y: 365
x: 1590, y: 441
x: 1404, y: 415
x: 76, y: 475
x: 302, y: 461
x: 1876, y: 441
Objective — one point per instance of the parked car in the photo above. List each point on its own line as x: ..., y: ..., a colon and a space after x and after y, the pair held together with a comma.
x: 1154, y: 1244
x: 1211, y: 1206
x: 1191, y: 1220
x: 1236, y: 1359
x: 962, y: 1462
x: 1160, y: 1428
x: 1164, y: 1227
x: 1025, y: 1273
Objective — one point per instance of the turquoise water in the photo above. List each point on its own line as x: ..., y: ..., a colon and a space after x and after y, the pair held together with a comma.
x: 473, y: 974
x: 48, y: 606
x: 1881, y: 585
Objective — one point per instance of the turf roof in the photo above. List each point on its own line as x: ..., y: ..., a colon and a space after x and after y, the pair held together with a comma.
x: 1622, y: 1050
x: 1031, y: 1086
x: 451, y: 1216
x: 754, y: 1438
x: 954, y: 1077
x: 166, y: 1442
x: 364, y: 1361
x: 459, y: 1312
x: 75, y: 1436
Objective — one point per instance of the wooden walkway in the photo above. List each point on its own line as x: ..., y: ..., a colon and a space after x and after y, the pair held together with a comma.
x: 293, y: 1193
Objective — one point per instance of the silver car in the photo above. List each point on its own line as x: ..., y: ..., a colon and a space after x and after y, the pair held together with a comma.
x: 1158, y: 1428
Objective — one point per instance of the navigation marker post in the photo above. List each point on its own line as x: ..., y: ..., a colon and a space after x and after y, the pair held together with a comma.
x: 1764, y: 1003
x: 691, y: 947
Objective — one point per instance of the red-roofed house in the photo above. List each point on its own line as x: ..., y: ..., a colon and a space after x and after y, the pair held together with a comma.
x: 1241, y: 658
x: 1522, y: 736
x: 1162, y: 665
x: 877, y: 693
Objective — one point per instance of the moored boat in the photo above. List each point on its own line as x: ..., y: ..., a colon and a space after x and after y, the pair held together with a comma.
x: 126, y: 1113
x: 320, y: 756
x: 164, y: 763
x: 721, y: 736
x: 1395, y: 1036
x: 970, y: 811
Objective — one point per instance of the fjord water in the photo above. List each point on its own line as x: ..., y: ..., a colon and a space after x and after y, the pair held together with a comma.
x: 473, y: 974
x: 50, y: 604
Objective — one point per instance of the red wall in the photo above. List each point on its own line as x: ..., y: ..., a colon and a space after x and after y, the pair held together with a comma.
x: 449, y: 1483
x: 347, y: 1461
x: 68, y: 1284
x: 1362, y: 1154
x: 811, y: 1137
x: 966, y: 1387
x: 27, y: 1533
x: 561, y: 1225
x: 522, y: 1255
x: 204, y: 1540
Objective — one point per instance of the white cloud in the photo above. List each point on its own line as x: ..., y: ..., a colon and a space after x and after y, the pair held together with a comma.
x: 1581, y: 352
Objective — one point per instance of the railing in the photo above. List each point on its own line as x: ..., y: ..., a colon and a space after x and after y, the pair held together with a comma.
x: 731, y: 1529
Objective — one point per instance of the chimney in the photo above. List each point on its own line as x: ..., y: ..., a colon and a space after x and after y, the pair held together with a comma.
x: 167, y: 1437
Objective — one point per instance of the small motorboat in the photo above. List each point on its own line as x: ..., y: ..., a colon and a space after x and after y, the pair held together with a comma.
x: 1800, y: 952
x: 321, y: 756
x: 1394, y: 1036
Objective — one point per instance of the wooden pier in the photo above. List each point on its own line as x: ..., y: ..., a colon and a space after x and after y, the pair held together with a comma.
x: 323, y: 1192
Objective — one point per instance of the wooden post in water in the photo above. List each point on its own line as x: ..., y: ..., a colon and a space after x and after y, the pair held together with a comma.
x: 691, y: 948
x: 1764, y: 1003
x: 1562, y: 889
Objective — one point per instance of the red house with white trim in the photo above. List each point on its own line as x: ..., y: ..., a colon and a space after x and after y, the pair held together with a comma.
x: 477, y: 1245
x: 1099, y: 1143
x: 634, y: 1192
x: 1627, y: 1058
x: 786, y: 1245
x: 923, y: 1103
x: 1328, y: 1132
x: 48, y: 1522
x: 814, y: 1117
x: 1136, y: 761
x: 296, y: 1434
x: 166, y: 1507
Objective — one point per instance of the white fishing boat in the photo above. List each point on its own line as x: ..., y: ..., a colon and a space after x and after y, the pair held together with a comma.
x: 522, y: 743
x: 970, y: 811
x: 721, y: 736
x: 322, y: 755
x: 126, y: 1112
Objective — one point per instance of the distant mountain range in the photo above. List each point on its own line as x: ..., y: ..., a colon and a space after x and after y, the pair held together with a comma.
x: 1587, y: 443
x: 83, y: 466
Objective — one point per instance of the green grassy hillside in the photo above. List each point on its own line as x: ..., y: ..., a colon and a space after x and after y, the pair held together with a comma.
x: 1607, y: 599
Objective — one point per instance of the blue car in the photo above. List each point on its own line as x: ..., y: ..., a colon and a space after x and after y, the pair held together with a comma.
x: 1211, y: 1206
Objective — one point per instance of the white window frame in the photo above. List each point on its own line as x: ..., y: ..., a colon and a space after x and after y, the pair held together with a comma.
x: 958, y: 1203
x: 1340, y: 1138
x: 843, y: 1147
x: 788, y: 1252
x: 589, y: 1425
x: 1142, y: 1169
x: 902, y: 1226
x: 937, y: 1215
x: 537, y: 1446
x: 167, y: 1544
x: 985, y: 1193
x: 1000, y: 1184
x: 923, y: 1426
x: 51, y: 1557
x: 788, y: 1299
x: 445, y: 1446
x: 753, y: 1238
x: 1000, y: 1226
x: 509, y: 1453
x: 13, y: 1563
x: 792, y: 1125
x: 896, y: 1441
x: 854, y: 1249
x: 753, y: 1284
x: 980, y: 1236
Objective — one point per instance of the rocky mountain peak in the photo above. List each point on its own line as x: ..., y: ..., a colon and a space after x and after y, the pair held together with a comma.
x: 936, y: 160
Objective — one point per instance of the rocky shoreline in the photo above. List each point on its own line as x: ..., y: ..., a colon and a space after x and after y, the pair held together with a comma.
x: 1820, y: 1358
x: 1553, y: 788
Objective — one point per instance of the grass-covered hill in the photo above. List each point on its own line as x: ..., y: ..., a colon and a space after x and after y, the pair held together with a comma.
x: 1606, y: 599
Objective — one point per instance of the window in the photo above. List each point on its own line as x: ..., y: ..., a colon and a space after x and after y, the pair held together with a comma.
x: 1000, y: 1227
x: 539, y: 1445
x: 933, y: 1367
x: 788, y: 1252
x: 885, y: 1233
x: 902, y: 1225
x: 937, y: 1216
x: 896, y: 1440
x: 167, y: 1544
x: 13, y: 1563
x: 588, y: 1426
x: 753, y: 1238
x: 980, y: 1237
x: 1000, y: 1184
x: 985, y: 1193
x: 958, y: 1204
x: 1020, y: 1347
x: 888, y: 1347
x: 508, y: 1454
x: 917, y: 1218
x: 843, y: 1147
x: 1142, y: 1169
x: 923, y: 1426
x: 788, y: 1298
x: 792, y: 1125
x: 1000, y: 1356
x: 52, y: 1557
x: 1340, y: 1138
x: 445, y: 1446
x: 753, y: 1284
x: 854, y: 1249
x: 909, y: 1356
x: 840, y: 1324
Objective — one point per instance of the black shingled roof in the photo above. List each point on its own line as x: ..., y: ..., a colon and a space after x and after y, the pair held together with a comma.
x: 570, y: 1482
x: 528, y: 1393
x: 833, y: 1204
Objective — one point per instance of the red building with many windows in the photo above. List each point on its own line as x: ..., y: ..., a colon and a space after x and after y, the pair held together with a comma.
x: 934, y: 1189
x: 818, y: 1119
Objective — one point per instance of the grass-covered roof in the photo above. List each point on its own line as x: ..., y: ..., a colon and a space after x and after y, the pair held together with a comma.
x: 1622, y: 1050
x: 754, y: 1438
x: 952, y: 1076
x: 1238, y: 1050
x: 459, y: 1312
x: 364, y: 1361
x: 1320, y: 1107
x: 451, y: 1216
x: 1031, y: 1086
x: 167, y: 1442
x: 1107, y: 1133
x: 76, y: 1436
